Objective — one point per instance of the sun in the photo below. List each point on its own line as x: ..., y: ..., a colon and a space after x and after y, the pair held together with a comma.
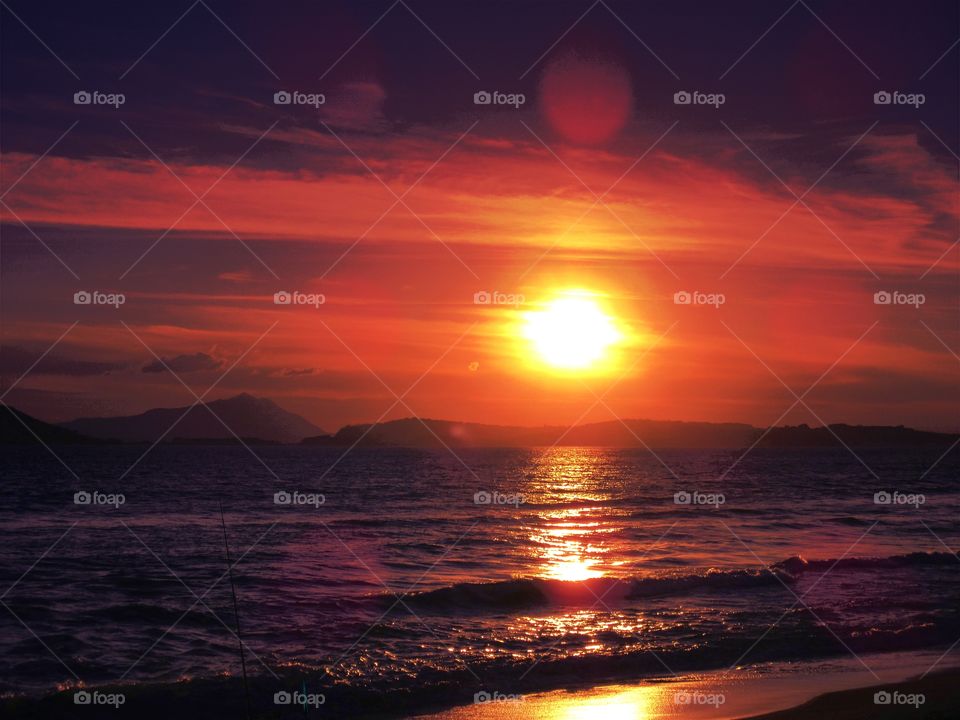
x: 572, y: 332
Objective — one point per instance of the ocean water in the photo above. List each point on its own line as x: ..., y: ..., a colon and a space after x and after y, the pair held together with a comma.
x: 433, y: 577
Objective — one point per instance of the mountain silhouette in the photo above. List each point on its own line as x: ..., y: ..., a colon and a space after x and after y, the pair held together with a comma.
x: 18, y: 428
x: 245, y: 415
x: 259, y: 420
x: 427, y: 433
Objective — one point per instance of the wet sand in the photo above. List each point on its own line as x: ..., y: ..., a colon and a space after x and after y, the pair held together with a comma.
x: 818, y: 692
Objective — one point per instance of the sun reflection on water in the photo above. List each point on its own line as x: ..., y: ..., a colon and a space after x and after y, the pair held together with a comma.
x: 568, y: 547
x: 567, y: 538
x: 634, y: 704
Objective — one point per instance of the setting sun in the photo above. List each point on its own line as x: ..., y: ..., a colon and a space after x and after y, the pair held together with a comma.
x: 571, y: 332
x: 484, y: 360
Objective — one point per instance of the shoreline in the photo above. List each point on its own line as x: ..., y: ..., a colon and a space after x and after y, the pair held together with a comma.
x: 838, y: 690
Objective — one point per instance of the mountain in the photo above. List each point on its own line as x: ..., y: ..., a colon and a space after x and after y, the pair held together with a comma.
x: 246, y: 415
x: 411, y: 432
x: 26, y: 430
x: 258, y: 420
x: 801, y: 436
x: 414, y: 432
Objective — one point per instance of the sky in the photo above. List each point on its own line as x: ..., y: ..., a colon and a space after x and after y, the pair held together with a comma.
x: 786, y: 188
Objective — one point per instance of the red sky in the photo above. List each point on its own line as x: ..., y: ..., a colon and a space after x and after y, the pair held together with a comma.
x: 501, y: 199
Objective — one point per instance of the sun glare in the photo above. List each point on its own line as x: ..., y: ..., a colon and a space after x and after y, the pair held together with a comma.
x: 572, y: 332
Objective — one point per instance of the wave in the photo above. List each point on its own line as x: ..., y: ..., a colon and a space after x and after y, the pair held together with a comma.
x: 797, y: 565
x: 525, y: 593
x: 365, y: 687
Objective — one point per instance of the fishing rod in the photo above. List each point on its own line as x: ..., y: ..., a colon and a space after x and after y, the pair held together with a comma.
x: 236, y: 612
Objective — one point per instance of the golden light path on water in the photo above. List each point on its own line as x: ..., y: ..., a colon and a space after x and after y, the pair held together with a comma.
x: 574, y: 536
x: 575, y: 541
x: 565, y: 555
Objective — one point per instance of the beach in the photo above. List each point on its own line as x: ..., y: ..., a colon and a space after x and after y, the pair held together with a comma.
x: 829, y: 690
x: 843, y: 690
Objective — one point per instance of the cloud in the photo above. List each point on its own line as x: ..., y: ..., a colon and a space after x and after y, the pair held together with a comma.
x: 703, y: 194
x: 239, y: 276
x: 183, y: 364
x: 17, y: 360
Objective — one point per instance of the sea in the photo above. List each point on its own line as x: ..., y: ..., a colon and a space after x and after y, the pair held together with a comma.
x: 388, y: 581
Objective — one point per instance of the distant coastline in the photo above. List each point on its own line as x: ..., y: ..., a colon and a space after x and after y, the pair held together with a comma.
x: 245, y: 419
x: 426, y: 433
